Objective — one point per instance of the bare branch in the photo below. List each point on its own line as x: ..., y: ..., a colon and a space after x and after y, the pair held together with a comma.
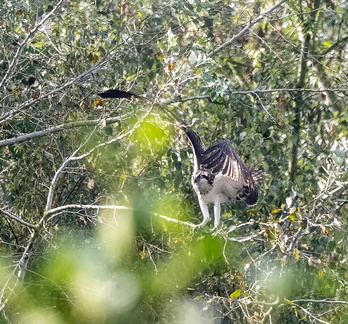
x: 24, y: 260
x: 288, y: 90
x: 16, y: 218
x: 255, y: 91
x: 59, y: 209
x: 5, y: 170
x: 330, y: 301
x: 55, y: 179
x: 175, y: 220
x: 54, y: 129
x: 310, y: 314
x: 247, y: 238
x: 58, y: 128
x: 294, y: 239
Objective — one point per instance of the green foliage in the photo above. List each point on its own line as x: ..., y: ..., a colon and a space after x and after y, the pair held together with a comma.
x: 281, y: 261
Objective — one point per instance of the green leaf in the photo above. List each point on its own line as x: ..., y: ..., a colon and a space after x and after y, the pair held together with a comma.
x: 236, y: 293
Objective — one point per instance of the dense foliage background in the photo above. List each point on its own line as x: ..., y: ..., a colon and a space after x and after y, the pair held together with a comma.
x: 96, y: 206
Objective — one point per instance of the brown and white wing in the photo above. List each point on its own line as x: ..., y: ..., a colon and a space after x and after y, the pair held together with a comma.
x: 222, y: 159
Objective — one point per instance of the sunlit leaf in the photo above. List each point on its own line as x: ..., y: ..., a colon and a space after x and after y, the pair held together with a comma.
x: 131, y: 77
x: 294, y: 216
x: 196, y: 71
x: 321, y: 274
x: 159, y: 56
x: 275, y: 211
x: 236, y: 293
x: 95, y: 58
x: 296, y: 254
x: 97, y: 102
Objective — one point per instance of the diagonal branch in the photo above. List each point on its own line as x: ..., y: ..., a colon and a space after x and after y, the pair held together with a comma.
x: 119, y: 137
x: 23, y: 44
x: 310, y: 314
x: 245, y: 29
x: 58, y: 128
x: 16, y: 218
x: 8, y: 115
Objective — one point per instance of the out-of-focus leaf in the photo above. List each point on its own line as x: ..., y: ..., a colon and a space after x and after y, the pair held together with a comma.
x: 236, y: 293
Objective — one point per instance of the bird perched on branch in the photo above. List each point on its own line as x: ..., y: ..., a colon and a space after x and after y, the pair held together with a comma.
x: 219, y: 175
x: 116, y: 93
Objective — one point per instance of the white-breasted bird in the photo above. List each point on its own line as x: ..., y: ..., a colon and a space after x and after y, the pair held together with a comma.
x: 220, y: 176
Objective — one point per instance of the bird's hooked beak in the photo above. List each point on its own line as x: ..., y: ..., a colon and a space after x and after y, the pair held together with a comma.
x: 196, y: 179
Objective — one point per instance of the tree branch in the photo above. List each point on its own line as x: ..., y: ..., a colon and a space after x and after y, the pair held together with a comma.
x: 59, y: 209
x: 16, y: 218
x: 319, y: 301
x: 245, y: 29
x: 246, y: 238
x: 58, y: 128
x: 294, y: 239
x: 255, y: 91
x: 23, y: 262
x: 310, y: 314
x: 8, y: 115
x: 82, y: 123
x: 298, y: 107
x: 335, y: 45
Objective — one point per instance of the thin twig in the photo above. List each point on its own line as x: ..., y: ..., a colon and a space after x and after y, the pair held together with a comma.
x: 311, y: 315
x: 294, y: 240
x: 320, y: 301
x: 246, y: 238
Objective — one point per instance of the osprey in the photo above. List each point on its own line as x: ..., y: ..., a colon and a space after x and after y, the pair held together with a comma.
x: 219, y: 174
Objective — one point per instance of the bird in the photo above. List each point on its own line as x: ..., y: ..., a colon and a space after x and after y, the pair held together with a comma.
x: 219, y: 174
x: 117, y: 93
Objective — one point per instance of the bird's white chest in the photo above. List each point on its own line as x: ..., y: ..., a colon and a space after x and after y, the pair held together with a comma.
x: 223, y: 189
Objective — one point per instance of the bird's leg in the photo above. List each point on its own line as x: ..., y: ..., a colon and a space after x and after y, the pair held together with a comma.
x: 205, y: 212
x: 217, y: 212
